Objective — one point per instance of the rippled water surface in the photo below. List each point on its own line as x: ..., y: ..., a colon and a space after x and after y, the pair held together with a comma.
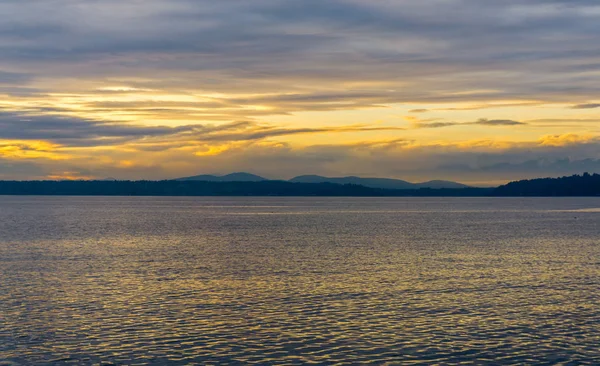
x: 299, y: 281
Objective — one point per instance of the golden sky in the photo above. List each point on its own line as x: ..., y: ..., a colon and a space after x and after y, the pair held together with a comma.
x: 475, y: 91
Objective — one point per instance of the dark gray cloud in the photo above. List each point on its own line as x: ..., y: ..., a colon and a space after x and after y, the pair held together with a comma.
x: 259, y: 133
x: 419, y: 51
x: 498, y: 122
x: 78, y: 132
x: 541, y: 165
x: 435, y: 124
x: 482, y: 122
x: 13, y: 78
x: 12, y: 169
x: 516, y: 170
x: 74, y: 131
x: 586, y: 106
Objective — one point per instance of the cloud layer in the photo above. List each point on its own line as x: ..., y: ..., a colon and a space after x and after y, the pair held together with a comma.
x: 311, y: 86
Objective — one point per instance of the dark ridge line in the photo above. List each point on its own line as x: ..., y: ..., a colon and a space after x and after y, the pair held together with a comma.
x: 586, y: 185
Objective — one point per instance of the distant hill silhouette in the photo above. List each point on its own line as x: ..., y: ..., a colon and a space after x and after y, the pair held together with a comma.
x: 233, y: 177
x: 576, y: 185
x: 441, y: 184
x: 382, y: 183
x: 584, y: 185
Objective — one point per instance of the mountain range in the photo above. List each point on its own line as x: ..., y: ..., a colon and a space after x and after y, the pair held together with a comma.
x: 586, y: 185
x: 233, y: 177
x: 381, y: 183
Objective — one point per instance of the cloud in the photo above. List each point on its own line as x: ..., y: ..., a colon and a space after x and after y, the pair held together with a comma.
x: 586, y: 106
x: 161, y: 82
x: 14, y: 78
x: 539, y: 167
x: 15, y: 169
x: 482, y: 122
x: 78, y: 132
x: 567, y: 139
x: 263, y: 132
x: 492, y: 105
x: 73, y: 131
x: 385, y: 52
x: 467, y: 161
x: 498, y: 122
x: 435, y: 124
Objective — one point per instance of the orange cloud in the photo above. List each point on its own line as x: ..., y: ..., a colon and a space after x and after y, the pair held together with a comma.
x: 566, y: 139
x: 30, y: 150
x: 68, y: 176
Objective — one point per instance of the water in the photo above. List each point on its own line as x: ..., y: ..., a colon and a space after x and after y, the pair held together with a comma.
x: 86, y: 280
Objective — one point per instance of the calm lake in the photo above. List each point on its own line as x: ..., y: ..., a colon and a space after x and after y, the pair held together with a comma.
x: 347, y: 281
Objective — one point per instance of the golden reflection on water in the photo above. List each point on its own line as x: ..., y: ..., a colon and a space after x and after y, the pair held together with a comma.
x: 153, y: 281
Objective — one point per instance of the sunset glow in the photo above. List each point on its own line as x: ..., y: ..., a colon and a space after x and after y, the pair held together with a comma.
x: 477, y: 92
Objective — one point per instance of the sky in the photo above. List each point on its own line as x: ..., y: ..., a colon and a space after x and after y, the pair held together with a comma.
x: 476, y: 91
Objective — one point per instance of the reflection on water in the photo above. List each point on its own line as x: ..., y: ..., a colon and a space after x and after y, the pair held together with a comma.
x: 306, y: 281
